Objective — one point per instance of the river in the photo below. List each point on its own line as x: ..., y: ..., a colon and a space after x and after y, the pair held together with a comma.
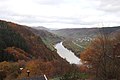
x: 67, y: 54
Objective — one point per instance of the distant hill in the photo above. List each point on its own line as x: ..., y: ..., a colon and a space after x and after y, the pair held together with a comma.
x: 77, y: 39
x: 74, y: 33
x: 48, y: 38
x: 41, y: 28
x: 21, y: 43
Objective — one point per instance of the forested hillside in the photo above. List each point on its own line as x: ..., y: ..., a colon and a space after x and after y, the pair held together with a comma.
x: 75, y: 33
x: 20, y: 47
x: 102, y: 57
x: 14, y: 35
x: 77, y: 39
x: 47, y: 37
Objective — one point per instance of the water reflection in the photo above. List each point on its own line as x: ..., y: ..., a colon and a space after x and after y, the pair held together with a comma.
x: 67, y: 54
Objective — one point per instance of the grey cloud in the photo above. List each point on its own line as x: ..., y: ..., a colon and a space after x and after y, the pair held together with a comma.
x: 28, y: 19
x: 73, y: 21
x: 3, y: 0
x: 5, y: 13
x: 49, y: 2
x: 109, y: 5
x: 41, y: 19
x: 64, y: 20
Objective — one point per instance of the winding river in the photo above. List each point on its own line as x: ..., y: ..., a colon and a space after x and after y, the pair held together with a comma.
x: 67, y: 54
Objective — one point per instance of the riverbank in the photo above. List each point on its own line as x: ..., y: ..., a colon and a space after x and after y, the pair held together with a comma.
x: 73, y: 47
x: 67, y: 54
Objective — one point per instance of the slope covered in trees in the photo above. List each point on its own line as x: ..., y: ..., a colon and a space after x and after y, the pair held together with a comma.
x: 20, y: 47
x: 9, y: 37
x: 47, y: 37
x: 102, y: 57
x: 14, y: 35
x: 75, y: 33
x: 77, y: 39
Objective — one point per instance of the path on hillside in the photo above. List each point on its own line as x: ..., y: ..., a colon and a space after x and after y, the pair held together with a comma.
x: 77, y: 44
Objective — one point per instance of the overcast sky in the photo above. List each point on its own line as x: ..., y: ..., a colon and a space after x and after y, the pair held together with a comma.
x: 61, y: 13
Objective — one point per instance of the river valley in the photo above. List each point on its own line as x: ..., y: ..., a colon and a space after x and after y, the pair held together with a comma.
x: 67, y: 54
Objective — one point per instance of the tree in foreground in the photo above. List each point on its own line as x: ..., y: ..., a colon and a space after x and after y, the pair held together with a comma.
x: 102, y: 57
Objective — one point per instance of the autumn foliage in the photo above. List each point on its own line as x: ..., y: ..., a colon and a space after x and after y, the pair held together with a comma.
x: 20, y: 47
x: 102, y: 57
x: 17, y: 53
